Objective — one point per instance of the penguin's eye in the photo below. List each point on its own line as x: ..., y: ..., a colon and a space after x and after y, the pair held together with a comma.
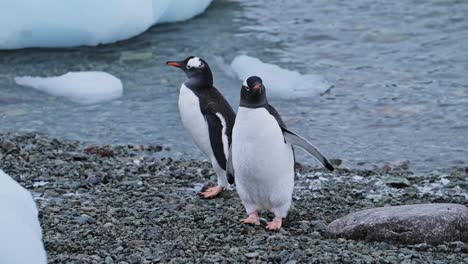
x: 247, y: 88
x: 188, y: 67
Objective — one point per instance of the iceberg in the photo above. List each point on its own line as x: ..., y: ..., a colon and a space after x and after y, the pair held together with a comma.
x: 21, y: 233
x: 181, y: 10
x: 279, y: 82
x: 79, y: 87
x: 58, y: 23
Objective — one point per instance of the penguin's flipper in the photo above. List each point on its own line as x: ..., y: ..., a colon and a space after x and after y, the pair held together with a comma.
x: 215, y: 129
x: 230, y: 168
x: 294, y: 139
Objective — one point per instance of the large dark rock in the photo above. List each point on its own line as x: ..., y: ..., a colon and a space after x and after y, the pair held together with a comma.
x: 412, y: 224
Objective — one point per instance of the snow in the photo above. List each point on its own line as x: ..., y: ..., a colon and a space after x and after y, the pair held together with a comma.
x: 79, y: 87
x: 21, y: 234
x: 279, y: 82
x: 58, y: 23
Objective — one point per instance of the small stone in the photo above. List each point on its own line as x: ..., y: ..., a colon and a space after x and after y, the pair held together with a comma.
x: 442, y: 248
x: 133, y: 259
x: 209, y: 220
x: 251, y: 254
x: 109, y: 260
x: 457, y: 244
x: 108, y: 225
x: 79, y: 157
x: 137, y: 242
x: 154, y: 148
x: 421, y: 246
x: 321, y: 227
x: 396, y: 182
x: 54, y: 209
x: 315, y: 235
x: 7, y: 146
x: 85, y: 219
x: 93, y: 180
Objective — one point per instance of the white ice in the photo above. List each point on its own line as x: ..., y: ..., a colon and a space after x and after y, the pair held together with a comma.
x: 20, y: 231
x: 180, y: 10
x: 79, y: 87
x: 58, y: 23
x: 279, y: 82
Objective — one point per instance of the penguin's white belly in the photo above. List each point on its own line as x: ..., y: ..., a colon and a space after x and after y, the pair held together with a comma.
x: 193, y: 120
x: 263, y: 162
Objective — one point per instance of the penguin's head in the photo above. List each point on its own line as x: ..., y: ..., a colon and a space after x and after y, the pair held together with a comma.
x: 253, y: 92
x: 195, y: 68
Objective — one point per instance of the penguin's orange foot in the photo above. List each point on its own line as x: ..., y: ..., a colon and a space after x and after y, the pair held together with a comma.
x: 211, y: 192
x: 252, y: 219
x: 275, y: 224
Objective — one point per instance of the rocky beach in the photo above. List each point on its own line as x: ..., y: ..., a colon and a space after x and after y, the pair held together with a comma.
x: 121, y: 204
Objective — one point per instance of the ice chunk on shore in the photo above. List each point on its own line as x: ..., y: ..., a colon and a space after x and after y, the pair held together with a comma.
x: 58, y: 23
x: 180, y: 10
x: 79, y: 87
x: 279, y: 82
x: 21, y: 234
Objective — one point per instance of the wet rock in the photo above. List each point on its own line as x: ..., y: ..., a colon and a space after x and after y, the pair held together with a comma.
x: 421, y: 246
x: 419, y: 223
x: 78, y: 157
x: 109, y: 260
x: 251, y: 254
x: 154, y: 148
x: 461, y: 184
x: 93, y: 180
x: 134, y: 259
x: 396, y: 182
x: 315, y: 235
x: 85, y: 219
x: 7, y: 146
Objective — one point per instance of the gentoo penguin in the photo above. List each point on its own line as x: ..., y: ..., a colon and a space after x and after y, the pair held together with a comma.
x: 207, y: 115
x: 262, y: 157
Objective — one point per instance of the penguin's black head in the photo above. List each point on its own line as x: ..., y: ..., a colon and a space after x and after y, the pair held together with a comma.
x: 253, y: 93
x: 195, y: 68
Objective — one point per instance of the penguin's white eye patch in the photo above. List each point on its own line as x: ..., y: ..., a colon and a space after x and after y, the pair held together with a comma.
x: 194, y: 62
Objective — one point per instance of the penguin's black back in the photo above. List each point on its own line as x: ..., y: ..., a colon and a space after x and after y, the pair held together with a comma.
x: 212, y: 102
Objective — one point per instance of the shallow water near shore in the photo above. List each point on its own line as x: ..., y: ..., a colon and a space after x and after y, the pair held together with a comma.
x: 398, y: 70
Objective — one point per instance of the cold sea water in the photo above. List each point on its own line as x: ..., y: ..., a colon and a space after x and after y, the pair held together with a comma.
x: 399, y: 71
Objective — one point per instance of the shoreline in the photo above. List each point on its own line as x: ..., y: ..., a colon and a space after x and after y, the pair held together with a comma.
x: 118, y: 204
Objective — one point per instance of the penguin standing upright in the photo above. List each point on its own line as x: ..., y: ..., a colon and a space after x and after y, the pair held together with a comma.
x: 262, y: 157
x: 207, y: 115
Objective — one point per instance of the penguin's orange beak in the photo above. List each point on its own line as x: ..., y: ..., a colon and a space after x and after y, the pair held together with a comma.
x: 257, y: 87
x: 174, y: 64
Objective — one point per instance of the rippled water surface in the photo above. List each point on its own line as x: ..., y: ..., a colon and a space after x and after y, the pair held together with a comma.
x: 399, y: 70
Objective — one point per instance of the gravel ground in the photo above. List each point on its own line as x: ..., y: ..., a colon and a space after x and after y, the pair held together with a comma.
x: 119, y: 204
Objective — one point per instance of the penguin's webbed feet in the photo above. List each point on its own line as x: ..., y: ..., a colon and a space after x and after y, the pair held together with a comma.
x: 252, y: 219
x: 211, y: 192
x: 275, y: 224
